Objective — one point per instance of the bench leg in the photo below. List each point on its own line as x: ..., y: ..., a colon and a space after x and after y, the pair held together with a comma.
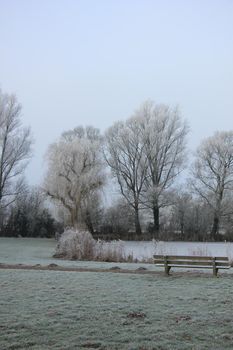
x: 167, y: 269
x: 215, y: 271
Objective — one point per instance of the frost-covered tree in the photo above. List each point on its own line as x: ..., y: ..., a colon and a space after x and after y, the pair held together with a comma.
x: 126, y: 158
x: 15, y: 149
x: 75, y: 170
x: 164, y: 139
x: 146, y: 153
x: 213, y: 175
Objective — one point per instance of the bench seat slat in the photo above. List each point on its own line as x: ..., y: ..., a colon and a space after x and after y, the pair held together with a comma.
x: 159, y: 261
x: 195, y: 266
x: 204, y: 258
x: 195, y: 263
x: 199, y: 266
x: 183, y: 262
x: 222, y: 259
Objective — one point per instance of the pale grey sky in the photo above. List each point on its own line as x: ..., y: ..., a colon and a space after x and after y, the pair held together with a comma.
x: 92, y: 62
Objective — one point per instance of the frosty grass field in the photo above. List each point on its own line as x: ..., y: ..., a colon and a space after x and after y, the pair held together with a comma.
x: 42, y: 310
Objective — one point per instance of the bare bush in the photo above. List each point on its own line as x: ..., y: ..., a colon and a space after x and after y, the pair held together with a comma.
x: 110, y: 251
x: 229, y: 253
x: 200, y: 251
x: 161, y: 248
x: 80, y: 245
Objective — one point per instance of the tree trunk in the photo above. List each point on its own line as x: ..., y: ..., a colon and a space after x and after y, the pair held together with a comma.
x: 182, y: 229
x: 88, y: 222
x: 73, y: 218
x: 215, y: 227
x: 138, y: 229
x: 156, y: 217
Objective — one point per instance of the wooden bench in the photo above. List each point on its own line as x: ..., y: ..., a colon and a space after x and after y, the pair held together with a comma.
x: 204, y: 262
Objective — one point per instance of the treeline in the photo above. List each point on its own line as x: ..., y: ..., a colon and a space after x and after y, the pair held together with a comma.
x: 29, y: 217
x: 140, y: 159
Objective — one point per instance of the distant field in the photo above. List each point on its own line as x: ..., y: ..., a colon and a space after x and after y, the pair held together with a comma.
x: 34, y: 251
x: 53, y: 310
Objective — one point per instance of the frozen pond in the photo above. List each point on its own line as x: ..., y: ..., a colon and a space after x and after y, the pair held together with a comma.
x: 146, y: 249
x: 41, y: 250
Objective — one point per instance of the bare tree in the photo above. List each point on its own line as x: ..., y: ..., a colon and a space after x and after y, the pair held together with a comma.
x: 126, y: 158
x: 75, y: 170
x: 29, y: 217
x: 180, y: 211
x: 190, y: 216
x: 118, y: 219
x: 213, y: 175
x: 15, y: 149
x: 164, y: 139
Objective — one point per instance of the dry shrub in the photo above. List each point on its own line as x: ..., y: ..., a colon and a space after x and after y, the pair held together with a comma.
x: 80, y: 245
x: 203, y: 251
x: 109, y: 251
x: 200, y: 251
x: 229, y: 253
x: 161, y: 248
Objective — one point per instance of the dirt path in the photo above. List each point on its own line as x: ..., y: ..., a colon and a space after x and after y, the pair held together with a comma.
x: 55, y: 267
x: 114, y: 269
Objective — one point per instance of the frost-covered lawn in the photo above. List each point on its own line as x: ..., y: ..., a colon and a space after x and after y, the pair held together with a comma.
x: 42, y: 310
x: 26, y: 250
x: 86, y: 310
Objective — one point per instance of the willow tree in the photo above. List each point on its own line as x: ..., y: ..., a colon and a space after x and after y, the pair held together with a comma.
x: 75, y: 171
